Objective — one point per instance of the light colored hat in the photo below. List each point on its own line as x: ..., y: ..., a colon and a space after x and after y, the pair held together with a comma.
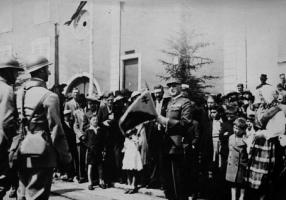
x: 13, y: 64
x: 265, y: 94
x: 93, y: 98
x: 36, y: 63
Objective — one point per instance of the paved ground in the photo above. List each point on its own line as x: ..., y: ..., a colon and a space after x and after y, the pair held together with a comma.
x: 77, y: 191
x: 74, y: 191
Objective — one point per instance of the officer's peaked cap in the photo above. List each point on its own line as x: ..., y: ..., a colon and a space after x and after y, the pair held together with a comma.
x: 173, y: 81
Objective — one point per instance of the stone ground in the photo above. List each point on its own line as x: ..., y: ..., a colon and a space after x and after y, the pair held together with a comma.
x: 74, y: 191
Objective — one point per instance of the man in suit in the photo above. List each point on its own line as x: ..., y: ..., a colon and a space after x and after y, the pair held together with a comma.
x: 79, y: 129
x: 8, y: 74
x: 105, y: 114
x: 155, y: 133
x: 176, y: 124
x: 71, y: 171
x: 72, y: 104
x: 36, y: 173
x: 105, y: 121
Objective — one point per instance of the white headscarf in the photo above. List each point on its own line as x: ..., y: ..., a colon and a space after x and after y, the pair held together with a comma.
x: 264, y: 94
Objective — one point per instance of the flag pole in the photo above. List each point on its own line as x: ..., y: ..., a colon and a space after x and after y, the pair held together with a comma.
x: 56, y: 54
x: 91, y: 48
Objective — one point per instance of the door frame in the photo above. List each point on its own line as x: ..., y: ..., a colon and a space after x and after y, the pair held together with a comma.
x: 122, y: 67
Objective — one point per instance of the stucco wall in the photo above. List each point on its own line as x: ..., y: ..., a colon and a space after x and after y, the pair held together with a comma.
x: 228, y: 26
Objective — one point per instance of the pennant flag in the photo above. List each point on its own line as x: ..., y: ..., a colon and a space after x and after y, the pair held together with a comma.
x: 76, y: 14
x: 141, y: 110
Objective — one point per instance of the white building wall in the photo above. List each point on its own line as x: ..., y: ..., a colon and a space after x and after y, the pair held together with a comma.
x: 115, y: 46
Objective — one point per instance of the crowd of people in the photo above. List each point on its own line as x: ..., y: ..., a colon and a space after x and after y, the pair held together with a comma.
x: 230, y: 142
x: 228, y: 146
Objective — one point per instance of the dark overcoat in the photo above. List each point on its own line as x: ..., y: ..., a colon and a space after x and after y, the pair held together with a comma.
x: 237, y: 160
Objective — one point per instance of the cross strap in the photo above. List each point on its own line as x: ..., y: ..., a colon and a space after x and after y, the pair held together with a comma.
x: 24, y: 121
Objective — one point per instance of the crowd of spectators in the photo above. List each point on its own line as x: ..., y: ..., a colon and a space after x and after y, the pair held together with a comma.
x: 235, y: 144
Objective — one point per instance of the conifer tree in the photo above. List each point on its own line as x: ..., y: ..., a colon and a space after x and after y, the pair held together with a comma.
x: 186, y: 59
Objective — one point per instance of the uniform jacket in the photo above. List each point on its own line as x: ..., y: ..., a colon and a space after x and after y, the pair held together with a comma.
x: 47, y: 119
x: 237, y: 160
x: 7, y: 111
x: 7, y: 122
x: 179, y: 120
x: 192, y: 136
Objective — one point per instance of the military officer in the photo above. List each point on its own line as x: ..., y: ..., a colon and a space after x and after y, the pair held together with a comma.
x: 8, y: 74
x: 35, y: 173
x: 176, y: 124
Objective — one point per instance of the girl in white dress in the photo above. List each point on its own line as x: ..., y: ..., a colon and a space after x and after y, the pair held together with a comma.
x: 132, y: 161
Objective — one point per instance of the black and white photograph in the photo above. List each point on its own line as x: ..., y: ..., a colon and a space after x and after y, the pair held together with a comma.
x: 142, y: 100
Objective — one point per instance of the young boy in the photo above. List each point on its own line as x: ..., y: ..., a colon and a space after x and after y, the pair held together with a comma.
x: 95, y: 153
x: 237, y: 159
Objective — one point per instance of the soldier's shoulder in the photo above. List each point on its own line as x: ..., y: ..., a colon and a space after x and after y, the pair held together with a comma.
x: 44, y: 91
x: 48, y: 97
x: 51, y: 96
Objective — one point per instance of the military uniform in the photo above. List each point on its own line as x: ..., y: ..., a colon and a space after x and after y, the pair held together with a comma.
x: 35, y: 173
x: 8, y: 118
x: 7, y: 131
x: 178, y: 116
